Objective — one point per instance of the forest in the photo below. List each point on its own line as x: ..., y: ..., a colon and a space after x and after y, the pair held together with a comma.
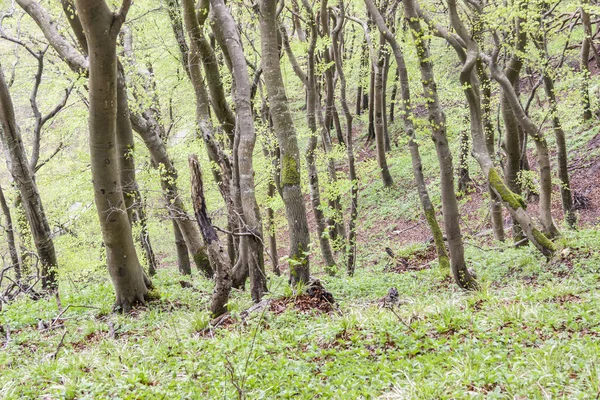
x: 260, y: 199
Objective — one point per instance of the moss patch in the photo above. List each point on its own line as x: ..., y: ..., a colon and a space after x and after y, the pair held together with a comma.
x: 438, y: 239
x: 290, y: 171
x: 508, y: 196
x: 543, y: 241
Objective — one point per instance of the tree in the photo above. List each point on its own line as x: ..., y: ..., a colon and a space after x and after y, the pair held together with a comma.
x: 101, y: 27
x: 288, y: 144
x: 21, y: 172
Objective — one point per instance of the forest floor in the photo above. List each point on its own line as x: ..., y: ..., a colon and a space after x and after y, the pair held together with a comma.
x: 532, y: 331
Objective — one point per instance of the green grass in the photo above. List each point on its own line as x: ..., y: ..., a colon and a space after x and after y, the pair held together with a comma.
x: 531, y: 332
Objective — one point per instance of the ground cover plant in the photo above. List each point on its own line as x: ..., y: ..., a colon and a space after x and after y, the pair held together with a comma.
x: 299, y: 199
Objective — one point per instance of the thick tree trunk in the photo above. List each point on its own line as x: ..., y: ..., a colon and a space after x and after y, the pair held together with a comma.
x: 437, y: 118
x: 216, y: 252
x: 101, y: 27
x: 245, y: 148
x: 288, y: 144
x: 10, y: 236
x: 407, y: 117
x: 18, y: 166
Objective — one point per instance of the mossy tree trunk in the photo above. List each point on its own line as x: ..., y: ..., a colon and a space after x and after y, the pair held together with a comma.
x: 288, y: 144
x: 513, y: 202
x: 437, y: 120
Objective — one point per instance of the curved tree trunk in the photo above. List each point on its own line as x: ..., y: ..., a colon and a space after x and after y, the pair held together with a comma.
x: 438, y: 125
x: 288, y: 144
x: 101, y: 27
x: 513, y: 202
x: 245, y: 148
x: 18, y: 166
x: 585, y: 61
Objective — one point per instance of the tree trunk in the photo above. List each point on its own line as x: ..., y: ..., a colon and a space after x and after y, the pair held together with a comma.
x: 312, y: 103
x: 386, y: 70
x: 247, y: 138
x: 10, y: 237
x: 437, y: 119
x: 407, y: 117
x: 352, y: 176
x: 585, y: 61
x: 18, y: 166
x: 514, y: 203
x: 102, y: 27
x: 464, y: 179
x: 379, y: 112
x: 216, y: 252
x: 183, y: 257
x: 288, y: 144
x: 486, y: 95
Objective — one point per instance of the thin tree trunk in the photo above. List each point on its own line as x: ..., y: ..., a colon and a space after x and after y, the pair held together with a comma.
x: 101, y: 27
x: 18, y: 166
x: 312, y: 103
x: 288, y: 144
x: 464, y: 179
x: 585, y: 61
x: 386, y: 71
x: 495, y: 203
x: 351, y: 243
x: 10, y: 237
x: 216, y: 252
x: 379, y: 111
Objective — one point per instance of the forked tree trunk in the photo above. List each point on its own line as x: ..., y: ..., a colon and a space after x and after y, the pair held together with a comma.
x: 18, y: 166
x: 251, y: 217
x: 450, y: 211
x: 407, y: 117
x: 216, y: 252
x: 102, y: 27
x: 288, y: 144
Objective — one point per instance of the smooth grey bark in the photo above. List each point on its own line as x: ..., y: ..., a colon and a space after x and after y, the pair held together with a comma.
x: 245, y: 130
x: 216, y: 252
x: 145, y: 125
x: 19, y: 168
x: 101, y: 27
x: 288, y: 144
x: 183, y: 257
x: 437, y: 119
x: 407, y: 117
x: 10, y: 236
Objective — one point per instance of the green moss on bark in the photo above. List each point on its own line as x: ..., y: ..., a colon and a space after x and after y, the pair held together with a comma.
x: 438, y: 240
x: 203, y: 263
x: 508, y: 196
x: 543, y: 240
x: 290, y: 171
